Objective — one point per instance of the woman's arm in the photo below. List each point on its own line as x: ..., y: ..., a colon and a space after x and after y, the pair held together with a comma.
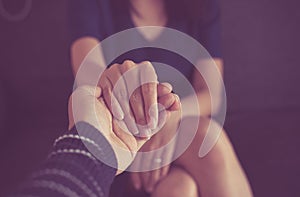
x: 86, y: 25
x: 80, y: 49
x: 203, y: 94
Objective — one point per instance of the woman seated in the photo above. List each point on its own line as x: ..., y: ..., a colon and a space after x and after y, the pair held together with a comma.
x: 219, y: 172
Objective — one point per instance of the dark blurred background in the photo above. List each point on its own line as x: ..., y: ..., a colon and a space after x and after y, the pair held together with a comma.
x: 262, y: 76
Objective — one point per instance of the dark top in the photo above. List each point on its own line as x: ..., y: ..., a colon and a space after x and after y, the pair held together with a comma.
x: 71, y: 170
x: 100, y: 19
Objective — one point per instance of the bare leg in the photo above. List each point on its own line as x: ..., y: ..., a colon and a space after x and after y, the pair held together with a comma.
x: 219, y: 173
x: 177, y: 183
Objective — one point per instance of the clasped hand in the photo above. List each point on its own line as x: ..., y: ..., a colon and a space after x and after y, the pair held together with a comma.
x: 139, y: 104
x: 131, y: 124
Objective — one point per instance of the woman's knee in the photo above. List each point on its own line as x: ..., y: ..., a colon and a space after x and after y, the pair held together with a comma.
x: 177, y: 184
x: 215, y: 146
x: 209, y: 144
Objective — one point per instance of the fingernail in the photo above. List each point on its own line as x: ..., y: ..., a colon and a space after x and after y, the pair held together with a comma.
x: 169, y: 86
x: 133, y: 128
x: 146, y: 133
x: 148, y: 138
x: 153, y: 117
x: 119, y: 115
x: 149, y: 133
x: 153, y: 123
x: 135, y: 132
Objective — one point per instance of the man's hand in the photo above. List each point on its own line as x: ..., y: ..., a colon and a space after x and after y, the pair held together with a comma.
x: 86, y: 105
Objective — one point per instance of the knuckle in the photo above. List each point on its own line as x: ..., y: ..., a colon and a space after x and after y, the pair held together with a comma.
x: 147, y: 63
x: 127, y: 64
x: 113, y: 67
x: 136, y: 96
x: 141, y: 121
x: 167, y: 85
x: 148, y: 88
x: 149, y: 67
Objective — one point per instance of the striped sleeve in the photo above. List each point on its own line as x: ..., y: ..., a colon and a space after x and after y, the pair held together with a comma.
x: 71, y: 170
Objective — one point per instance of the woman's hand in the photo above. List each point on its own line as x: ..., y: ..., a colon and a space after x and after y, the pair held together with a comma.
x: 130, y: 93
x: 87, y: 105
x: 148, y: 180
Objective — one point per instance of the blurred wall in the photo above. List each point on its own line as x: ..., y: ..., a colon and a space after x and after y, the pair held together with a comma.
x: 36, y: 81
x: 2, y: 109
x: 262, y: 74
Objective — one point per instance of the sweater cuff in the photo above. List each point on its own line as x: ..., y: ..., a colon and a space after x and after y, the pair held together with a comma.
x: 85, y: 147
x: 95, y: 143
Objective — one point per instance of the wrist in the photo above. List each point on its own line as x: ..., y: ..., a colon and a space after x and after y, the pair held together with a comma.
x: 175, y: 117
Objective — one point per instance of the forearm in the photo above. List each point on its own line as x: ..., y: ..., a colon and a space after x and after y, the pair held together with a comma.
x: 202, y: 101
x: 71, y: 170
x: 208, y: 91
x: 87, y: 56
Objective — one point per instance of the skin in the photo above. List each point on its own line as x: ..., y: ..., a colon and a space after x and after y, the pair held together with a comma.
x: 219, y: 173
x: 141, y: 99
x: 87, y: 99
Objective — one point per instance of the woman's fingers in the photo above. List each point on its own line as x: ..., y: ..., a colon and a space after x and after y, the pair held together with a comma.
x: 155, y: 175
x: 129, y: 121
x: 141, y: 99
x: 158, y: 174
x: 110, y: 100
x: 167, y: 100
x: 148, y: 79
x: 153, y: 179
x: 137, y: 106
x: 149, y: 91
x: 135, y: 176
x: 148, y: 161
x: 145, y: 177
x: 107, y: 82
x: 123, y: 87
x: 170, y: 101
x: 164, y: 171
x: 162, y: 119
x: 136, y: 180
x: 140, y: 111
x: 168, y: 156
x: 176, y: 105
x: 163, y: 89
x: 117, y: 97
